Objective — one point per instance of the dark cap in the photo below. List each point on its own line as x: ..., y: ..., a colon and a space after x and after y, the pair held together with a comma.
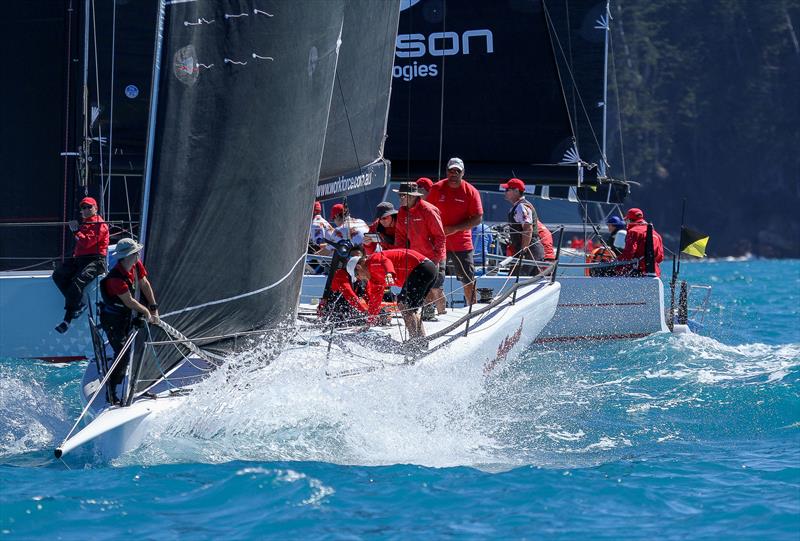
x: 384, y: 209
x: 616, y: 221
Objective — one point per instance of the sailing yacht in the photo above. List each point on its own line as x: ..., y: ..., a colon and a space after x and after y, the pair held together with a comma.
x: 519, y: 89
x: 225, y: 212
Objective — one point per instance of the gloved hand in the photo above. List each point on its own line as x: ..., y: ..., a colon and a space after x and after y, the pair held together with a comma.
x: 389, y: 279
x: 73, y: 225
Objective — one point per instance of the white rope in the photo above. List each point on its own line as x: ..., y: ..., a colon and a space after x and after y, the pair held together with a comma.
x: 242, y: 296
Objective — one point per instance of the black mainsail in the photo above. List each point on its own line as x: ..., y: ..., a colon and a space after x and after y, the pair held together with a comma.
x: 244, y: 90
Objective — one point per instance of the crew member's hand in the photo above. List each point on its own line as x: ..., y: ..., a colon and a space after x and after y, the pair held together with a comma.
x: 389, y: 279
x: 73, y: 225
x: 368, y: 240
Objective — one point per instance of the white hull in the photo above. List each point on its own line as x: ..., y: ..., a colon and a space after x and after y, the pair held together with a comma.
x: 493, y: 337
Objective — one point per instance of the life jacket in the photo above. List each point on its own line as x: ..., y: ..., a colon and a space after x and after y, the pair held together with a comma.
x: 112, y: 303
x: 600, y: 255
x: 516, y: 228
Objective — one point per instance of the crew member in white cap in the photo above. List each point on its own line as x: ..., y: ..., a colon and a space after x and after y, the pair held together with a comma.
x: 119, y: 290
x: 461, y: 209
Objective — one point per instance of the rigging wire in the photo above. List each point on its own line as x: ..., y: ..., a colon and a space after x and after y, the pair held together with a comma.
x: 577, y: 91
x: 441, y: 96
x: 106, y: 186
x: 97, y: 89
x: 619, y: 109
x: 66, y: 127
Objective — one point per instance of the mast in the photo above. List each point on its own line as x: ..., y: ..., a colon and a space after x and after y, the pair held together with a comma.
x: 605, y: 24
x: 84, y: 154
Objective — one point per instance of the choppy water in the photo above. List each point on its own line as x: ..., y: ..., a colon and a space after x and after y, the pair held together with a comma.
x: 669, y: 437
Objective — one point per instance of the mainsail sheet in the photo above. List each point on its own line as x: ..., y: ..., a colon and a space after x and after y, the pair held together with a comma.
x: 352, y: 161
x: 242, y: 108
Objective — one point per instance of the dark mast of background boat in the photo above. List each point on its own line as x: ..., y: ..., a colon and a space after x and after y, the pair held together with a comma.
x: 241, y: 114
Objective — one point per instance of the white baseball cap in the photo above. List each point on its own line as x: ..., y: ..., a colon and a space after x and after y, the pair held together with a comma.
x: 456, y: 163
x: 351, y: 267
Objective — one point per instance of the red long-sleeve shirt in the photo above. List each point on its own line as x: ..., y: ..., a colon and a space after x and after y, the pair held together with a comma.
x: 398, y: 263
x: 547, y: 241
x: 634, y: 245
x: 91, y: 237
x: 341, y: 283
x: 420, y: 228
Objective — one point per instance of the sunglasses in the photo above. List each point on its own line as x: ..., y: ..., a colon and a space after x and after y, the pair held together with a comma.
x: 84, y: 207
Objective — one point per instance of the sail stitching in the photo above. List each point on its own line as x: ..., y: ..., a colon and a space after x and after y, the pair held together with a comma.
x: 242, y: 296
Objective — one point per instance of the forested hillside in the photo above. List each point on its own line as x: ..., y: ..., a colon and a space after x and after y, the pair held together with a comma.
x: 709, y: 108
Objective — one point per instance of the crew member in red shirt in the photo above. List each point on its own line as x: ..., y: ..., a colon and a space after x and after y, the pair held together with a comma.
x: 635, y: 242
x: 424, y: 184
x: 408, y: 269
x: 382, y: 229
x: 460, y: 205
x: 419, y: 227
x: 88, y: 260
x: 546, y: 239
x: 119, y: 290
x: 343, y: 301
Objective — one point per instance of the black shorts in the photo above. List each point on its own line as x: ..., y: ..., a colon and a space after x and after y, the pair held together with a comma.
x: 418, y: 284
x: 439, y: 282
x: 462, y: 265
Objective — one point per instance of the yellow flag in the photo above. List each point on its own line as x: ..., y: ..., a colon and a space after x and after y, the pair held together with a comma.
x: 693, y: 242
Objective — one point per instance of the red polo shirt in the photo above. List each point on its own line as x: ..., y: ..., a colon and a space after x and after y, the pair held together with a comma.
x: 456, y: 205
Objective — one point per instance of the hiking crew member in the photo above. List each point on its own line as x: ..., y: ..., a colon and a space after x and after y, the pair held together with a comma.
x: 461, y: 209
x: 523, y: 222
x: 88, y: 260
x: 419, y: 227
x: 636, y: 244
x: 384, y: 227
x: 408, y: 269
x: 119, y: 290
x: 546, y: 238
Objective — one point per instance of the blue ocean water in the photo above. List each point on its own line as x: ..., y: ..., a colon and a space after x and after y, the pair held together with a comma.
x: 668, y: 437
